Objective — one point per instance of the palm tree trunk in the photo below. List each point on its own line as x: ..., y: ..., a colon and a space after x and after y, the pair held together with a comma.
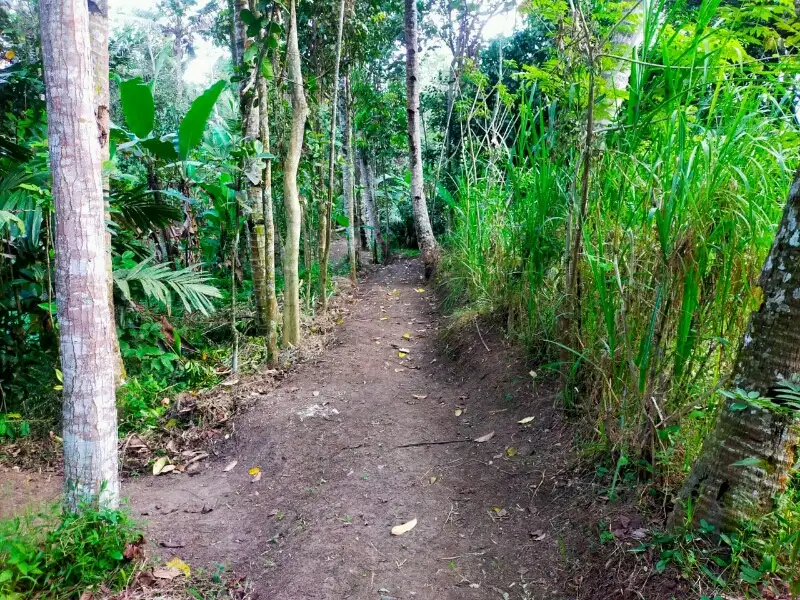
x: 291, y: 198
x: 82, y: 275
x: 749, y: 456
x: 422, y: 223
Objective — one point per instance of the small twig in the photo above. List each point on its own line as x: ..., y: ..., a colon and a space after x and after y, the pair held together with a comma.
x: 463, y: 555
x: 480, y: 336
x: 415, y: 444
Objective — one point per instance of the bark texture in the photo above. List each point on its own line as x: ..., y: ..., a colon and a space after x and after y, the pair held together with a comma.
x: 721, y: 492
x: 291, y: 198
x: 348, y: 187
x: 325, y: 213
x: 98, y: 32
x: 82, y: 286
x: 374, y: 236
x: 269, y: 227
x: 422, y: 222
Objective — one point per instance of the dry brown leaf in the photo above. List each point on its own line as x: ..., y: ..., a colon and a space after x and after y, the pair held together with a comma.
x: 169, y: 573
x: 404, y: 528
x: 485, y: 438
x: 158, y: 466
x: 230, y: 465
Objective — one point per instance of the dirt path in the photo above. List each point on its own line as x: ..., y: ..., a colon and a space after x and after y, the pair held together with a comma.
x: 317, y: 524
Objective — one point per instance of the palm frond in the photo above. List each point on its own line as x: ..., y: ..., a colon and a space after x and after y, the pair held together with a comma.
x: 145, y: 209
x: 159, y: 282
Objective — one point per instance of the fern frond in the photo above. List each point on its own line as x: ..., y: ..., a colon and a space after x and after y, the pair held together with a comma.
x: 159, y: 282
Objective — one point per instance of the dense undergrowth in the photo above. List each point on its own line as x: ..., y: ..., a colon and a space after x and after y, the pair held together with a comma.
x: 685, y: 187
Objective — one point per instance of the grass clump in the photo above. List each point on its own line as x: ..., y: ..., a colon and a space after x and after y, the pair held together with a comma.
x: 61, y: 555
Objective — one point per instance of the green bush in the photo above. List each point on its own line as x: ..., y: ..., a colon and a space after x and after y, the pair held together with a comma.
x: 61, y: 555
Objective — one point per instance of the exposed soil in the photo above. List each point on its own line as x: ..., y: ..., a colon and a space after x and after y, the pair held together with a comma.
x: 380, y: 430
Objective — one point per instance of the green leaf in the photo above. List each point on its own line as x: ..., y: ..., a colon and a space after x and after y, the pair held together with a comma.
x: 161, y: 149
x: 747, y: 462
x: 737, y: 407
x: 138, y: 106
x: 248, y: 18
x: 6, y: 575
x: 250, y: 53
x: 266, y: 70
x: 342, y: 221
x: 190, y: 132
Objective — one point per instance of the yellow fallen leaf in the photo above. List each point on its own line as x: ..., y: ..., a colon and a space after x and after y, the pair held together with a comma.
x: 159, y: 465
x: 405, y: 527
x: 384, y: 318
x: 526, y: 420
x: 402, y: 354
x: 406, y: 336
x: 10, y: 54
x: 434, y: 479
x: 420, y: 290
x: 254, y: 471
x: 532, y: 374
x: 511, y: 451
x: 497, y: 509
x: 459, y: 412
x: 339, y: 321
x: 177, y: 563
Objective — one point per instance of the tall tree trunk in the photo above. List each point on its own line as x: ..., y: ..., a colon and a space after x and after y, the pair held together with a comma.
x: 82, y: 286
x: 291, y: 198
x: 347, y: 174
x: 325, y: 216
x: 98, y: 32
x: 368, y: 197
x: 422, y: 222
x: 269, y: 228
x: 721, y: 489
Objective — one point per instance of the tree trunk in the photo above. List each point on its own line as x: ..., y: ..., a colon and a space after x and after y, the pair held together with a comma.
x: 271, y: 314
x: 325, y: 216
x: 250, y: 105
x: 82, y: 286
x: 291, y: 198
x: 347, y: 174
x: 422, y: 223
x: 368, y: 197
x: 98, y: 32
x: 721, y: 491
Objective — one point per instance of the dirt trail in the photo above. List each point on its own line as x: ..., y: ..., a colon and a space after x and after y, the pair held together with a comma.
x: 317, y: 524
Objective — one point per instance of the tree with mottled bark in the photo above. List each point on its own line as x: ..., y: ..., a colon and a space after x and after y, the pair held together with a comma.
x: 348, y: 188
x: 82, y: 286
x: 291, y: 197
x: 375, y: 237
x: 748, y: 458
x: 422, y: 222
x: 327, y: 206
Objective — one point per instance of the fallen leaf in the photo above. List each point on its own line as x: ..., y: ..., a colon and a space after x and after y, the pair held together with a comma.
x: 166, y: 573
x: 171, y: 544
x: 167, y: 469
x: 405, y: 527
x: 159, y: 465
x: 434, y: 479
x: 177, y: 563
x: 420, y: 290
x: 402, y: 354
x: 511, y: 451
x: 532, y: 374
x: 230, y: 466
x: 399, y: 370
x: 538, y: 535
x: 256, y: 477
x: 254, y: 471
x: 384, y: 318
x: 459, y: 412
x: 406, y: 350
x: 406, y: 336
x: 485, y: 438
x: 526, y: 420
x: 315, y: 393
x: 419, y: 396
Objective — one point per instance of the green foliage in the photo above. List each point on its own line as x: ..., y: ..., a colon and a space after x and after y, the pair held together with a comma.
x: 190, y: 132
x: 52, y: 555
x: 138, y: 106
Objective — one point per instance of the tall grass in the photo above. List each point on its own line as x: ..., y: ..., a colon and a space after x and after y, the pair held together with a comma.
x: 685, y: 192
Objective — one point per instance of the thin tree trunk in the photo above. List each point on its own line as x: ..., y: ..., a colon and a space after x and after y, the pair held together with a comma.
x: 368, y: 197
x: 325, y: 220
x: 422, y: 223
x: 291, y: 198
x: 269, y: 229
x: 82, y: 286
x: 347, y: 174
x: 748, y: 458
x: 98, y: 31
